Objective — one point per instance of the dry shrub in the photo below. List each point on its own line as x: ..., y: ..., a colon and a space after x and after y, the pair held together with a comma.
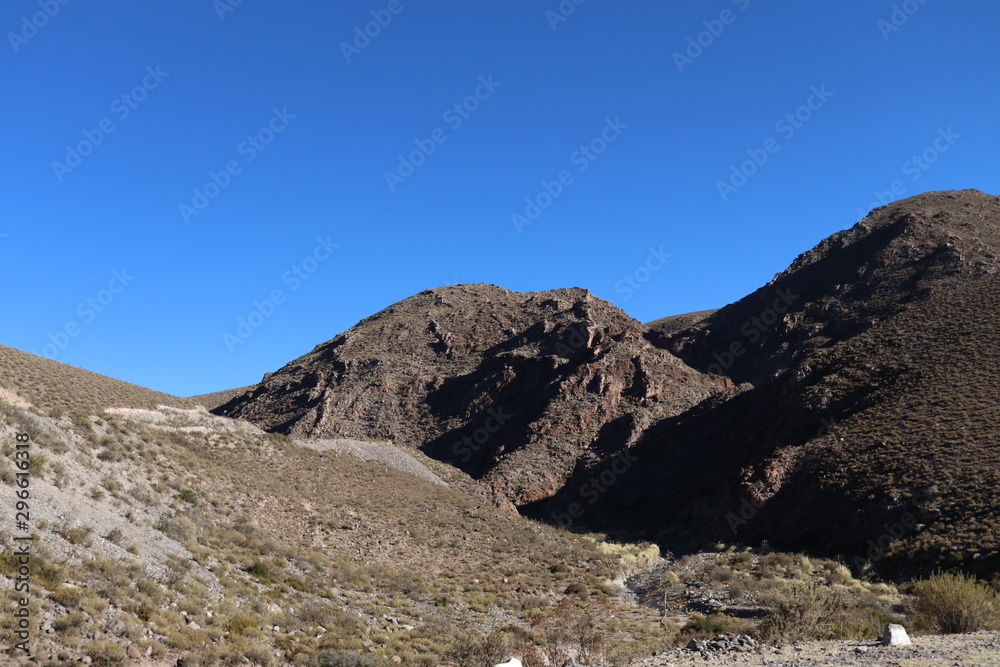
x: 798, y: 611
x: 106, y: 654
x: 955, y: 603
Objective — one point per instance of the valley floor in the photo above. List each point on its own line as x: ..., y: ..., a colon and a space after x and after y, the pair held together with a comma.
x: 972, y: 650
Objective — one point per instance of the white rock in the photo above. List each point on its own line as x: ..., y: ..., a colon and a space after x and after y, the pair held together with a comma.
x: 895, y: 635
x: 513, y: 662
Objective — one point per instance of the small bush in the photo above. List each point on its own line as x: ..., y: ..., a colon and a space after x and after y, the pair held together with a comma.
x: 260, y: 570
x: 798, y: 611
x: 472, y: 651
x: 240, y: 624
x: 67, y: 621
x: 955, y: 603
x: 106, y: 654
x: 345, y: 659
x: 68, y: 596
x: 706, y: 627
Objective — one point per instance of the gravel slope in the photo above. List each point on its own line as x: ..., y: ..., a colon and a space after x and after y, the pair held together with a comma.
x: 973, y: 650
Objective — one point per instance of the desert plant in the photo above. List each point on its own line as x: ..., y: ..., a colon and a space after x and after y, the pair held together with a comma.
x: 475, y: 651
x: 706, y: 627
x: 797, y: 611
x: 106, y: 654
x: 956, y: 603
x: 331, y: 658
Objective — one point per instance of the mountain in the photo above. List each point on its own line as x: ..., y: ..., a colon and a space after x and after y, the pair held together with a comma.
x: 361, y: 505
x: 169, y: 536
x: 516, y: 389
x: 853, y: 280
x: 53, y: 385
x: 852, y: 394
x: 674, y: 323
x: 865, y: 418
x: 217, y: 398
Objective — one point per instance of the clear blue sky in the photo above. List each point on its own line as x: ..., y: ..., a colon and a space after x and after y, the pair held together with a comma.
x: 159, y: 95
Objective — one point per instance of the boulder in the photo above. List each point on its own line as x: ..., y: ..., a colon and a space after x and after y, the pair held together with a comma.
x: 895, y: 635
x: 695, y: 645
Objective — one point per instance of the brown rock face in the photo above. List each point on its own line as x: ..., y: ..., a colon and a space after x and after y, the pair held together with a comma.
x: 515, y: 388
x: 866, y: 424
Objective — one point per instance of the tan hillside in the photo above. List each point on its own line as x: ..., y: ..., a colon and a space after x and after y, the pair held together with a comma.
x: 52, y: 385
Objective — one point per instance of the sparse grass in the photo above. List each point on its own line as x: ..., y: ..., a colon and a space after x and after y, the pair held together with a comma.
x: 63, y: 389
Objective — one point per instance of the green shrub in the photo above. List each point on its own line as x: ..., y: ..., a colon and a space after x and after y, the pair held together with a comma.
x: 955, y: 603
x: 260, y: 570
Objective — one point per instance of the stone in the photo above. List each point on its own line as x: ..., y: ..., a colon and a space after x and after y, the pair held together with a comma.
x: 570, y: 662
x: 695, y: 645
x: 895, y: 635
x: 133, y: 652
x: 513, y: 662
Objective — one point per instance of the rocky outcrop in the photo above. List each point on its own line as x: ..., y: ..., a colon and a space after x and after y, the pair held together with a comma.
x: 517, y: 389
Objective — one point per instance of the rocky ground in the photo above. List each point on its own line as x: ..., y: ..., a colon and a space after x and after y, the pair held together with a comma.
x: 973, y: 650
